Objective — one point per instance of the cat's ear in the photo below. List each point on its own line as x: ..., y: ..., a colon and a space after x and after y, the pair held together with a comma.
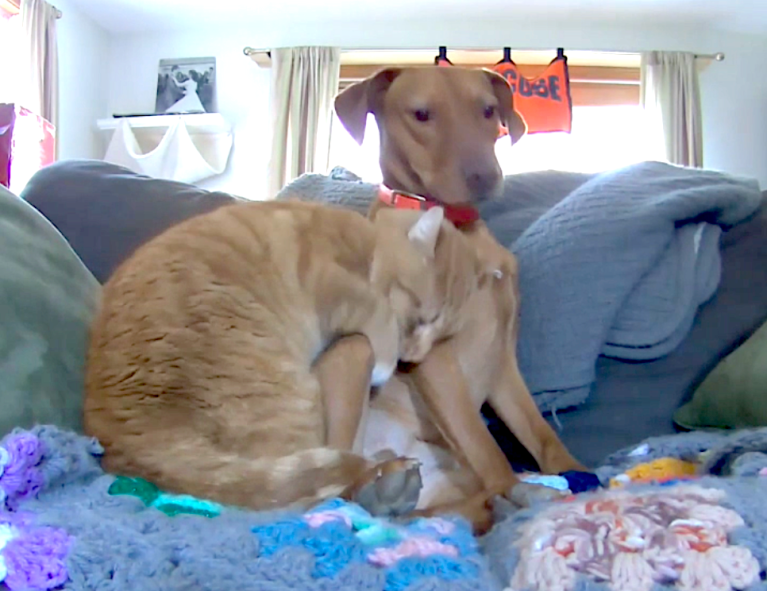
x: 425, y: 231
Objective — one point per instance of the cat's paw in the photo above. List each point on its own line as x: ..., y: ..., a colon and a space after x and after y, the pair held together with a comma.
x: 392, y: 490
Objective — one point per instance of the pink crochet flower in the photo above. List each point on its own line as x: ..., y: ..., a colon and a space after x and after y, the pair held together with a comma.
x: 322, y: 517
x: 417, y: 546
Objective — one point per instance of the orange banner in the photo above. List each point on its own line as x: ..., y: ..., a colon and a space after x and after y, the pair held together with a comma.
x: 544, y: 102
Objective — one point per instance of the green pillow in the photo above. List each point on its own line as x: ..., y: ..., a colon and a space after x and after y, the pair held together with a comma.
x: 734, y: 394
x: 47, y: 299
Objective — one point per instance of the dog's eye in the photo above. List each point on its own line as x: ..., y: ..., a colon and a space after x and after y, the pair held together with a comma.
x: 489, y: 112
x: 421, y: 115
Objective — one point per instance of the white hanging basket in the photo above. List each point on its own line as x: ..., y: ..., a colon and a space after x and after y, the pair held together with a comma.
x: 178, y: 156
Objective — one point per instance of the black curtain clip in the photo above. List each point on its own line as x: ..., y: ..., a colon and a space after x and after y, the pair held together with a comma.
x: 442, y: 56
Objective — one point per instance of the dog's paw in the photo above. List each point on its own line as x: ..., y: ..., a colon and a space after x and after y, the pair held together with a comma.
x: 558, y: 460
x: 526, y: 494
x: 392, y: 490
x: 479, y: 512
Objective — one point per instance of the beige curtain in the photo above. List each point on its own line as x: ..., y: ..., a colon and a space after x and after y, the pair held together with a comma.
x: 38, y: 23
x: 304, y: 82
x: 671, y: 97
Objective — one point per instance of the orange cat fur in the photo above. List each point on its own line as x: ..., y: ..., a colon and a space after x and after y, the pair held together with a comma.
x: 200, y: 369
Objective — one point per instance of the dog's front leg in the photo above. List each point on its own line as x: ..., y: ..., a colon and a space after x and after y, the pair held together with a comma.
x: 516, y: 407
x: 511, y: 398
x: 445, y: 392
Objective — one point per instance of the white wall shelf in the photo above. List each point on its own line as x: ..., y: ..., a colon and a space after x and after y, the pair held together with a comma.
x: 199, y: 123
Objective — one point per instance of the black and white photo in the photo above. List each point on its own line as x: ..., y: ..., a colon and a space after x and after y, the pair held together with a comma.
x: 186, y: 85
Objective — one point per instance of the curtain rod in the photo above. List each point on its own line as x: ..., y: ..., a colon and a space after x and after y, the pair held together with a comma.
x: 717, y: 57
x: 250, y: 51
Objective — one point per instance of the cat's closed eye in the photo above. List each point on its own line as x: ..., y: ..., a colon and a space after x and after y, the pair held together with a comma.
x: 427, y: 320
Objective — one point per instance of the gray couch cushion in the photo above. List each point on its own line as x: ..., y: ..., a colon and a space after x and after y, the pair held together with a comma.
x: 47, y: 298
x: 107, y: 211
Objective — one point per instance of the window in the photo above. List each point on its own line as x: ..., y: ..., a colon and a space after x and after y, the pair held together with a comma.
x: 344, y: 151
x: 609, y: 127
x: 602, y: 138
x: 10, y: 7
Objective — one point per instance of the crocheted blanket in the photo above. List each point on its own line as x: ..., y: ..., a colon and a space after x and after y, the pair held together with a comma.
x: 615, y: 263
x: 65, y: 524
x: 680, y: 512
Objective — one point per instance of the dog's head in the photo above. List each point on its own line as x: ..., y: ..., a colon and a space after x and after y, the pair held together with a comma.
x: 438, y: 128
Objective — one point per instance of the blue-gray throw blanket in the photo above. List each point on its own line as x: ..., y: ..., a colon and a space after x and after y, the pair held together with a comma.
x: 65, y: 524
x: 615, y: 263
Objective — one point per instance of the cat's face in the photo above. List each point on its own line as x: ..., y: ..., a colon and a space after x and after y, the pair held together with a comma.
x: 429, y: 271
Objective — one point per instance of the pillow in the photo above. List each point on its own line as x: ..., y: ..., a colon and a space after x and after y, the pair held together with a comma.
x: 734, y: 394
x: 107, y: 211
x: 47, y: 300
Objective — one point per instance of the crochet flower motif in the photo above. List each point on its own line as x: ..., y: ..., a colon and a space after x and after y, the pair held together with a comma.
x: 631, y: 541
x: 32, y: 557
x: 20, y: 476
x: 340, y: 534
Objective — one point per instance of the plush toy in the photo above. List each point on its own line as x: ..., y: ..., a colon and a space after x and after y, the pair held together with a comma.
x: 660, y: 471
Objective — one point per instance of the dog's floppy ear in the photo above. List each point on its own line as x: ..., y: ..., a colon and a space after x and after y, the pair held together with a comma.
x: 516, y: 125
x: 509, y: 116
x: 355, y: 102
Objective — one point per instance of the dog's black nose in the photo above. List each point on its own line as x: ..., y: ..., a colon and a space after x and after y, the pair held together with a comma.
x: 482, y: 183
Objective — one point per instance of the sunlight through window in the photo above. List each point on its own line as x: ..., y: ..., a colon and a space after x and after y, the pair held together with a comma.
x: 602, y: 138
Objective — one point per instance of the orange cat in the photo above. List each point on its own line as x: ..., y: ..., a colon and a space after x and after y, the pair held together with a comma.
x: 202, y: 374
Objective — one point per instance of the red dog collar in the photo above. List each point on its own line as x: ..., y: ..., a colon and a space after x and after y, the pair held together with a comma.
x: 460, y: 215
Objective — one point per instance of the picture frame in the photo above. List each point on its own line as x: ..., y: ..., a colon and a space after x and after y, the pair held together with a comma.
x: 186, y: 85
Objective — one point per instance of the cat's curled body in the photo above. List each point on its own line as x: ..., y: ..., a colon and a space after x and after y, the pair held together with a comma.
x: 200, y: 368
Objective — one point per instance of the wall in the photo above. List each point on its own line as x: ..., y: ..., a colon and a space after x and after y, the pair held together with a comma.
x: 243, y: 88
x: 242, y: 96
x: 734, y: 95
x: 83, y: 91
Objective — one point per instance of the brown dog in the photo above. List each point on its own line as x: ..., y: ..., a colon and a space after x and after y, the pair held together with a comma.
x: 438, y: 129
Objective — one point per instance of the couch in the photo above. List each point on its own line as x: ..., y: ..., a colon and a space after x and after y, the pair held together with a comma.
x: 103, y: 212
